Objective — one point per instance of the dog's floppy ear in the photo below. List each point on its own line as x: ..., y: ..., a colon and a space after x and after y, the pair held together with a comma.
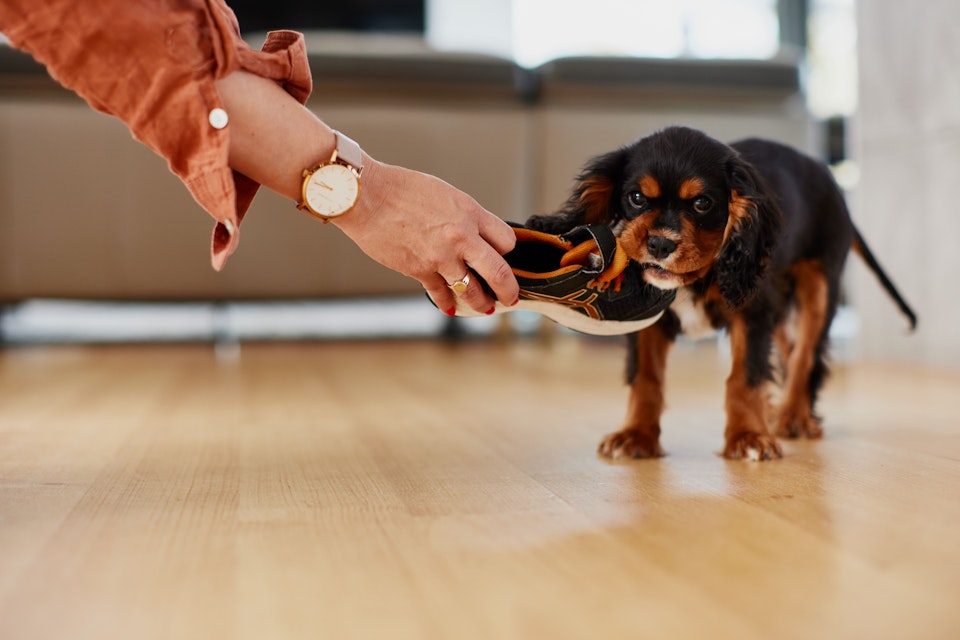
x: 595, y: 199
x: 752, y: 227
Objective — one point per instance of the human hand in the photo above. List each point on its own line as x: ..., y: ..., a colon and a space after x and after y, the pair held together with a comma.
x: 411, y: 222
x: 420, y: 226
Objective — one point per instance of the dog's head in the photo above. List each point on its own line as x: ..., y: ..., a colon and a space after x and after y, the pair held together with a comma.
x: 685, y: 206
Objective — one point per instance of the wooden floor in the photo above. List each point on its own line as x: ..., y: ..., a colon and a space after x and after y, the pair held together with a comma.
x: 417, y: 490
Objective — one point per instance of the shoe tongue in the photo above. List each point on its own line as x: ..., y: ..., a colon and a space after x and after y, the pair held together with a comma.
x: 585, y: 254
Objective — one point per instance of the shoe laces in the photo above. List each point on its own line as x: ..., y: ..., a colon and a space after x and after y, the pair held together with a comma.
x: 587, y: 252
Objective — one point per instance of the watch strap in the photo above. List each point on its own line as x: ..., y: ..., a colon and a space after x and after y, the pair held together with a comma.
x: 349, y: 151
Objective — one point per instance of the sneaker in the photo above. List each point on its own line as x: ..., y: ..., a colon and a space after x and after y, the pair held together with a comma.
x: 583, y: 280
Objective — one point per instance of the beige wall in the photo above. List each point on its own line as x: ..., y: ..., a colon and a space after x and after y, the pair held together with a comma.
x: 906, y: 138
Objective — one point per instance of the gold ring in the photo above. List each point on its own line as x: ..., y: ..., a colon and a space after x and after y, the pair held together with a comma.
x: 460, y: 285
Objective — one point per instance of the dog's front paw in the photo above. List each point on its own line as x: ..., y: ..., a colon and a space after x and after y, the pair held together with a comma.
x: 750, y: 445
x: 631, y: 443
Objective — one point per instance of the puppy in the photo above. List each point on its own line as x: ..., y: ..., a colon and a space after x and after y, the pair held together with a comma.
x: 754, y: 237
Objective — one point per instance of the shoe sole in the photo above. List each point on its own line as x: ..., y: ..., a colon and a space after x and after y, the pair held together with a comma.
x: 569, y: 318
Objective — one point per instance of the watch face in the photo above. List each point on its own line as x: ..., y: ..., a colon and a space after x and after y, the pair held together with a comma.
x: 332, y: 190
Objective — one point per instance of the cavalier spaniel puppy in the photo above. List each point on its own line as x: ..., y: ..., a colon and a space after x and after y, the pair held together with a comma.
x: 754, y: 235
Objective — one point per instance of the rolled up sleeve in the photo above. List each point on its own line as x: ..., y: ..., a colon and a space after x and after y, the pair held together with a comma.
x: 153, y: 64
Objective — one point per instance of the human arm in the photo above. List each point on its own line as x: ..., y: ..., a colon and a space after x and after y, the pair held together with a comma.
x: 160, y: 67
x: 409, y: 221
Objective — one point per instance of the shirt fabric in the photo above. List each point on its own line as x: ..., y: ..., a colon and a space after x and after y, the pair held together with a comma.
x: 153, y: 64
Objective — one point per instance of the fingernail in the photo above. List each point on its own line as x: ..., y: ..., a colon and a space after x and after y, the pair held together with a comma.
x: 452, y: 311
x: 515, y: 302
x: 492, y: 309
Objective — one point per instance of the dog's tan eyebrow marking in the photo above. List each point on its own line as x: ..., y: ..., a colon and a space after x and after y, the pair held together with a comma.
x: 690, y: 188
x: 649, y: 187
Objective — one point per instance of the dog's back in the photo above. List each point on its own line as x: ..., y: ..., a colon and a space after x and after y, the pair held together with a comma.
x: 817, y: 223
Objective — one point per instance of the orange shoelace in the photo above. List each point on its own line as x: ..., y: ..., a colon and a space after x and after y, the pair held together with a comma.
x: 578, y: 256
x: 613, y: 274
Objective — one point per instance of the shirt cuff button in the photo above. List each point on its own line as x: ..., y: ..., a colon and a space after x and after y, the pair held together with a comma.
x: 218, y: 118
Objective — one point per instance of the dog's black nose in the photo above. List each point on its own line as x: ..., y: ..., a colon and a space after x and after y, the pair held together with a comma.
x: 660, y: 247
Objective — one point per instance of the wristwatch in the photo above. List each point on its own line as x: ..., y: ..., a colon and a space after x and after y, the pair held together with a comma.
x: 330, y: 189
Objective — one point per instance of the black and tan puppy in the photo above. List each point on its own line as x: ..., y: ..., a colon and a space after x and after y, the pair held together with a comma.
x: 754, y: 236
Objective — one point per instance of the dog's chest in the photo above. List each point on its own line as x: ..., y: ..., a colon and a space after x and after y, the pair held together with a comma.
x: 694, y: 321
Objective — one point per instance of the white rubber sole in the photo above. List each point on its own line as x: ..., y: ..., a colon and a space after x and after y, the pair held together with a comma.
x: 568, y: 317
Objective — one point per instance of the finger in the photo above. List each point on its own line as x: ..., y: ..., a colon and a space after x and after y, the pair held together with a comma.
x: 460, y: 293
x: 469, y: 293
x: 495, y: 271
x: 498, y: 233
x: 436, y: 287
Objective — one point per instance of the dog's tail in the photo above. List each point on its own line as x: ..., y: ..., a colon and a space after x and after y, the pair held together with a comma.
x: 861, y: 249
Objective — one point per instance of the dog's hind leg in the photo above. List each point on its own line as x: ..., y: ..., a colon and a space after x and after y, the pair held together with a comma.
x: 806, y: 366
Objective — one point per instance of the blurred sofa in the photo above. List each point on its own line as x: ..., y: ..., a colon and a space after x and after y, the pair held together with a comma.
x: 88, y: 213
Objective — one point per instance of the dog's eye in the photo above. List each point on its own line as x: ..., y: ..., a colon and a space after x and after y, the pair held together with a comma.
x: 703, y: 204
x: 637, y: 200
